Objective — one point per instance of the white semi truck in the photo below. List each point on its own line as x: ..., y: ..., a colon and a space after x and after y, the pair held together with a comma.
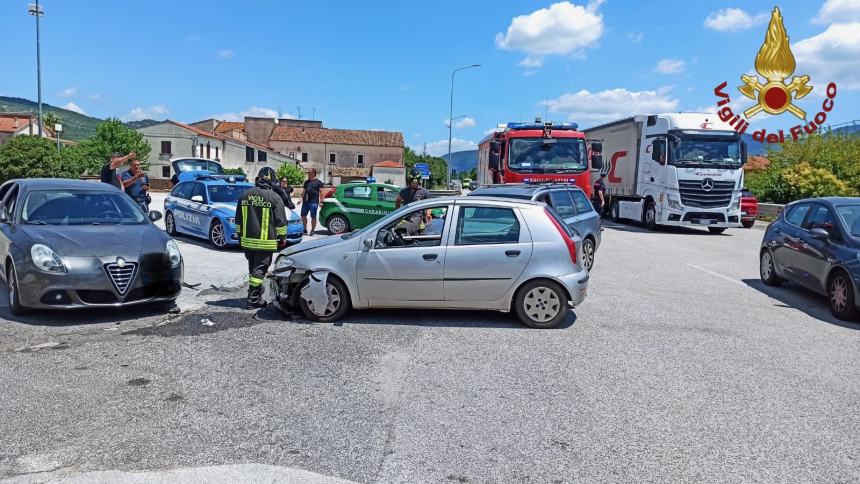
x: 673, y: 169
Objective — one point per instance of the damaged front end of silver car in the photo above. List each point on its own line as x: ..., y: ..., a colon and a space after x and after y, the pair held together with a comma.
x: 289, y: 283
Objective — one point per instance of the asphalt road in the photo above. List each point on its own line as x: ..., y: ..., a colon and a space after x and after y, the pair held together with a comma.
x: 680, y: 366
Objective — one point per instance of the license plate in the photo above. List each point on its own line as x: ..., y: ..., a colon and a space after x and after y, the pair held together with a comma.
x: 703, y: 221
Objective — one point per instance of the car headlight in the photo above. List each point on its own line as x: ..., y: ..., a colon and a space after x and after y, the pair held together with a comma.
x: 675, y: 204
x: 232, y: 220
x: 283, y: 264
x: 173, y: 252
x: 46, y: 259
x: 736, y: 205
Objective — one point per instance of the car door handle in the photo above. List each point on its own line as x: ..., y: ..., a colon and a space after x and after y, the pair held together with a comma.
x: 512, y: 253
x: 430, y: 256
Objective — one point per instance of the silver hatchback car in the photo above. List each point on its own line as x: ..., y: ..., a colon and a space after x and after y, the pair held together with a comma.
x: 446, y: 253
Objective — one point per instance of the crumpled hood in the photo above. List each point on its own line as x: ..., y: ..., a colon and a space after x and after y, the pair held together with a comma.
x: 98, y: 240
x: 315, y: 244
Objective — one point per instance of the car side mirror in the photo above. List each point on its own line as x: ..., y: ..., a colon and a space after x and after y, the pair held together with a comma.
x: 197, y: 198
x: 744, y: 153
x: 597, y: 161
x: 154, y: 215
x: 368, y: 243
x: 597, y: 147
x: 819, y: 233
x: 4, y: 214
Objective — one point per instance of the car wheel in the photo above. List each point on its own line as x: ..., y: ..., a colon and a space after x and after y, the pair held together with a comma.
x: 338, y: 302
x: 170, y: 224
x: 217, y: 234
x: 541, y: 304
x: 649, y: 216
x: 767, y: 271
x: 337, y: 224
x: 841, y: 293
x: 588, y: 254
x: 748, y: 224
x: 15, y: 306
x: 716, y: 230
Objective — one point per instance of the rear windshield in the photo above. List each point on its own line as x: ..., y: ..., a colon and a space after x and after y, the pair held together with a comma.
x: 552, y: 213
x: 194, y: 165
x: 77, y: 207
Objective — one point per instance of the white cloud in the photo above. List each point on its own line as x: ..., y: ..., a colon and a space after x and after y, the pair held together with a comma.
x: 225, y: 54
x: 439, y: 148
x: 670, y: 66
x: 597, y: 107
x: 150, y: 112
x: 733, y: 19
x: 74, y: 107
x: 636, y: 37
x: 838, y: 11
x: 94, y: 97
x: 67, y: 92
x: 254, y: 112
x: 563, y: 28
x: 462, y: 123
x: 831, y: 56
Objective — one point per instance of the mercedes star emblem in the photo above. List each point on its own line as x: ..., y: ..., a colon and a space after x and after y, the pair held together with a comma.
x: 707, y: 184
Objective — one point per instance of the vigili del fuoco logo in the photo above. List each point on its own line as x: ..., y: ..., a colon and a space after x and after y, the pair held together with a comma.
x: 775, y: 96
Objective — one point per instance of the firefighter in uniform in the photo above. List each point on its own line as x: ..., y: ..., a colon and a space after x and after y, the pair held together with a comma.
x: 414, y: 192
x: 261, y: 221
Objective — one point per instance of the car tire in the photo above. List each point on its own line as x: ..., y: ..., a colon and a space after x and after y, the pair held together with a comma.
x: 614, y: 212
x: 588, y: 250
x: 649, y: 216
x: 840, y: 291
x: 716, y: 230
x: 217, y: 235
x: 335, y: 287
x: 541, y: 304
x: 748, y: 224
x: 170, y: 224
x: 337, y: 224
x: 15, y: 306
x: 767, y: 270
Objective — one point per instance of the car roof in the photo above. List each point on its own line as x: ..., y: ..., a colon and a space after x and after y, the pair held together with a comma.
x: 484, y: 200
x: 522, y: 189
x: 834, y: 201
x: 60, y: 183
x: 361, y: 183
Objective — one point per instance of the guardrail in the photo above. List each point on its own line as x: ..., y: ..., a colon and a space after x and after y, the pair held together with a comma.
x: 769, y: 209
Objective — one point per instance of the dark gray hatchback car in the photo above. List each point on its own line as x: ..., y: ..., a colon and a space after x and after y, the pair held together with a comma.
x: 816, y: 243
x: 72, y: 243
x: 569, y: 201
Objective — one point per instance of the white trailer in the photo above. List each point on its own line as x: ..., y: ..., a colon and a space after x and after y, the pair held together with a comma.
x: 681, y: 169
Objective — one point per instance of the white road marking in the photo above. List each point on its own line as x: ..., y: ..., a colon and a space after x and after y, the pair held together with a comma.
x: 717, y: 274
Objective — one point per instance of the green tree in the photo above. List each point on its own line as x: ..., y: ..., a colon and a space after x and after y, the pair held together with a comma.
x: 33, y: 157
x: 234, y: 171
x: 50, y: 119
x: 437, y: 166
x: 294, y: 174
x: 112, y: 136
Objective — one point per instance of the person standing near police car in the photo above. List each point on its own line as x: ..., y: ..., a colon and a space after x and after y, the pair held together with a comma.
x: 261, y: 221
x: 311, y: 200
x: 136, y: 185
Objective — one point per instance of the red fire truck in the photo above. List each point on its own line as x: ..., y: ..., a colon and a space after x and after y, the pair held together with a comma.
x: 538, y: 152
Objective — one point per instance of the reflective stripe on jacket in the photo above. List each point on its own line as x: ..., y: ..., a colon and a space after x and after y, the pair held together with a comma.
x: 261, y: 220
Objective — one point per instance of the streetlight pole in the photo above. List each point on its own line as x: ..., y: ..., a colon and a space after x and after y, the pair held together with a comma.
x: 35, y: 10
x: 451, y: 124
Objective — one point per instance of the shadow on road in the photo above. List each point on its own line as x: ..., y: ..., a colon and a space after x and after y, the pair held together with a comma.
x: 662, y: 229
x: 72, y: 317
x: 792, y: 296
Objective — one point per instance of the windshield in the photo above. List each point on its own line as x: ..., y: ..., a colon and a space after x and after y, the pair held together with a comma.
x: 535, y: 155
x: 226, y: 193
x: 194, y: 165
x: 705, y: 152
x: 850, y: 215
x: 71, y: 207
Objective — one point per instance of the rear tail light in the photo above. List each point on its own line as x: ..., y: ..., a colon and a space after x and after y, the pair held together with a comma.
x: 571, y: 245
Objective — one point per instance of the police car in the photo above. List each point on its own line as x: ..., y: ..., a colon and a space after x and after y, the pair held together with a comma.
x: 203, y: 204
x: 357, y: 204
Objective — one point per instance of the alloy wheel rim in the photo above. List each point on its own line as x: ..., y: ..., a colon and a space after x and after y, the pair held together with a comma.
x: 169, y: 222
x: 332, y: 305
x: 337, y: 225
x: 11, y: 287
x: 765, y: 266
x: 649, y: 215
x: 588, y: 254
x: 542, y: 304
x: 218, y: 234
x: 839, y: 294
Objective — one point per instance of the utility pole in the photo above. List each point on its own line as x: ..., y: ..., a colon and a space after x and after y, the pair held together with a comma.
x: 451, y: 124
x: 35, y: 10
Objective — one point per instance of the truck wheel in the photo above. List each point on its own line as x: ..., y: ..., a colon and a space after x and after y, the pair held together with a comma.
x: 649, y: 216
x: 841, y: 293
x: 767, y: 271
x: 613, y: 211
x: 748, y: 224
x: 338, y: 302
x: 541, y: 304
x: 337, y: 224
x: 716, y: 230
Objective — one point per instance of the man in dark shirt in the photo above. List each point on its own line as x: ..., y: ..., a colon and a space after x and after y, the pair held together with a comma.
x: 311, y: 200
x: 598, y: 194
x: 413, y: 193
x: 136, y: 185
x: 108, y: 172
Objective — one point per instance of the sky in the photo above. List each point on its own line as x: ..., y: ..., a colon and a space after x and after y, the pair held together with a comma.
x: 387, y: 64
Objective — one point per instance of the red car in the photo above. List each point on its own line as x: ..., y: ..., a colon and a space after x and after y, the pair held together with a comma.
x: 749, y: 208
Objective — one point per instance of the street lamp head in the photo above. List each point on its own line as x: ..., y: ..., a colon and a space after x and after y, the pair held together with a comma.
x: 35, y: 9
